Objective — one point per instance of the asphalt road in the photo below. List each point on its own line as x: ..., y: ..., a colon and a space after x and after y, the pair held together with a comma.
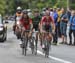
x: 10, y: 52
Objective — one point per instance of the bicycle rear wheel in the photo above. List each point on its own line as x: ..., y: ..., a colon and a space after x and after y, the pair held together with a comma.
x: 25, y: 43
x: 33, y: 46
x: 22, y: 51
x: 23, y: 46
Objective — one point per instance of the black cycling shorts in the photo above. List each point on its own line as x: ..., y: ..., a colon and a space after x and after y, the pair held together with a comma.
x: 47, y: 28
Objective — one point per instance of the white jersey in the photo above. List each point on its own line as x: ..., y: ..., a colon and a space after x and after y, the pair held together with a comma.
x: 18, y: 18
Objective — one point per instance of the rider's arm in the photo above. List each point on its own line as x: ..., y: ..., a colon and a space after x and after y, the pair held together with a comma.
x: 40, y: 24
x: 31, y: 24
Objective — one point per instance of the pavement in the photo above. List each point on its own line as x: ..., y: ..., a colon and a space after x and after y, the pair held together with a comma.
x: 10, y: 52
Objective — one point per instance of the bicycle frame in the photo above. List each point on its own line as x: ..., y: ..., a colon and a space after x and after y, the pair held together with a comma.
x: 34, y: 42
x: 46, y: 43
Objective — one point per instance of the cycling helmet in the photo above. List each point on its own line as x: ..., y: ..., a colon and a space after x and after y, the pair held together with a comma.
x: 25, y: 11
x: 19, y: 8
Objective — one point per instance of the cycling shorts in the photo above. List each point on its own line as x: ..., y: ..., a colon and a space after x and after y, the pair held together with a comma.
x: 47, y: 28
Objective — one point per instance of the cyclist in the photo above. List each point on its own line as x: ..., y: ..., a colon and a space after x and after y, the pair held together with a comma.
x: 36, y: 19
x: 18, y: 16
x: 47, y: 22
x: 46, y: 25
x: 26, y: 22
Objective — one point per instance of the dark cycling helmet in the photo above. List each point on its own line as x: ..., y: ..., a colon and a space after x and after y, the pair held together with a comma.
x: 25, y: 12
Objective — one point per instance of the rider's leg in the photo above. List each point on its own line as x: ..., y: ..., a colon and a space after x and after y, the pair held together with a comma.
x: 40, y: 37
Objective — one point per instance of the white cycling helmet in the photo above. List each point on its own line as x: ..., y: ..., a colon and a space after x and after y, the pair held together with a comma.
x: 19, y: 8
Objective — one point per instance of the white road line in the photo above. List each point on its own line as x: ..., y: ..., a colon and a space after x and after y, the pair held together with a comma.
x: 54, y: 58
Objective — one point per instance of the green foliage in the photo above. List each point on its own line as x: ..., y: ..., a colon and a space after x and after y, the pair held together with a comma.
x: 40, y: 5
x: 62, y: 3
x: 2, y: 6
x: 72, y: 6
x: 9, y: 6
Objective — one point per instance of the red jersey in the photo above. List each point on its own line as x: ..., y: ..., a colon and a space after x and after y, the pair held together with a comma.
x: 47, y: 21
x: 26, y: 23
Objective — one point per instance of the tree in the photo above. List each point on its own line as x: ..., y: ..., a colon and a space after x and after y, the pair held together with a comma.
x: 62, y: 3
x: 7, y: 6
x: 2, y: 6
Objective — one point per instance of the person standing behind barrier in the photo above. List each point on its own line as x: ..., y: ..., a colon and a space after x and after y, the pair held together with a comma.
x: 63, y: 27
x: 59, y: 11
x: 69, y: 14
x: 55, y: 35
x: 72, y: 27
x: 51, y: 12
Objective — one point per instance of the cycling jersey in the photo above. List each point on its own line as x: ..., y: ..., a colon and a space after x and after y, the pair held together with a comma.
x: 36, y: 21
x: 18, y: 16
x: 46, y: 23
x: 26, y: 23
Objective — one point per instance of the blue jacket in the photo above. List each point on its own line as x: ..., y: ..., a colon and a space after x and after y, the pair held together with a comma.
x: 72, y: 23
x: 55, y: 16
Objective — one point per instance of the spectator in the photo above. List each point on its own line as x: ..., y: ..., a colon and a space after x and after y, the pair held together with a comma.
x: 72, y: 27
x: 63, y: 26
x: 55, y: 17
x: 59, y: 15
x: 51, y: 12
x: 69, y: 13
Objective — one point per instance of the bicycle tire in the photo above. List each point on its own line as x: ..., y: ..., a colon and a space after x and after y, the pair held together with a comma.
x: 46, y: 49
x: 22, y: 51
x: 36, y: 42
x: 25, y: 49
x: 32, y: 45
x: 23, y: 46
